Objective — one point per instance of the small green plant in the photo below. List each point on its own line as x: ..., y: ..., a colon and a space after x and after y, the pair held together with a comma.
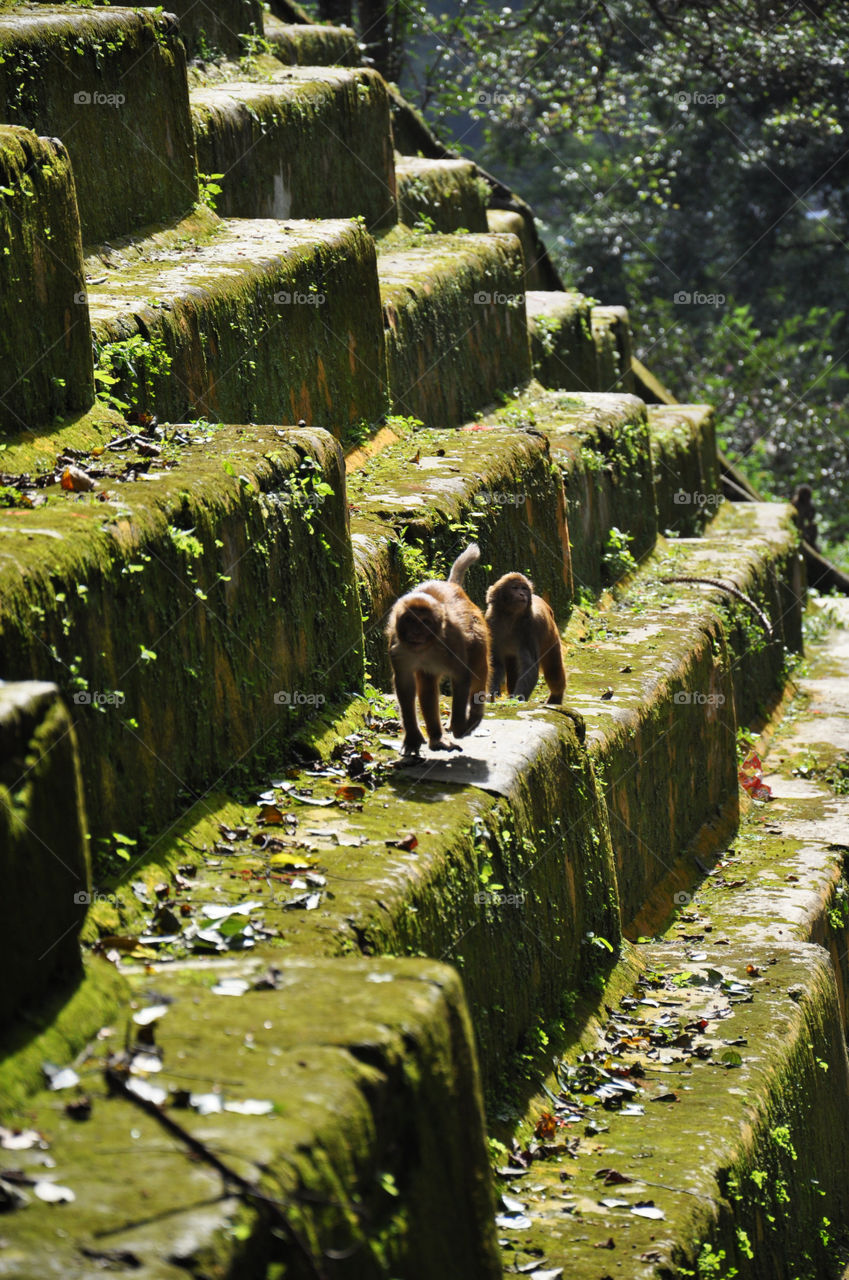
x: 209, y: 189
x: 617, y: 560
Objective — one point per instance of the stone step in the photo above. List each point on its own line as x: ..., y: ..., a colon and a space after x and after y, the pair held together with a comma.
x: 562, y: 345
x: 611, y: 330
x: 45, y: 337
x: 422, y: 499
x: 372, y: 1103
x: 508, y: 222
x: 43, y: 849
x: 454, y: 316
x: 215, y: 27
x: 686, y: 468
x: 737, y: 1033
x: 247, y: 320
x: 447, y: 192
x: 301, y: 44
x: 111, y: 84
x: 173, y: 613
x: 263, y: 139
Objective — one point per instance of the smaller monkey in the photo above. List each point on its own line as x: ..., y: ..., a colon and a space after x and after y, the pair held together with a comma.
x: 523, y: 637
x: 436, y: 631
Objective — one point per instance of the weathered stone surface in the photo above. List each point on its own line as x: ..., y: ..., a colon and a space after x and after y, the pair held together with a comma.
x: 245, y: 321
x: 43, y: 853
x: 264, y: 139
x: 506, y: 221
x: 562, y: 345
x: 445, y: 191
x: 686, y: 468
x: 111, y: 83
x: 310, y: 44
x: 739, y: 1151
x: 601, y: 444
x: 218, y: 26
x: 456, y: 334
x: 375, y: 1140
x: 194, y: 617
x: 494, y: 485
x: 755, y: 547
x: 45, y: 337
x: 611, y: 330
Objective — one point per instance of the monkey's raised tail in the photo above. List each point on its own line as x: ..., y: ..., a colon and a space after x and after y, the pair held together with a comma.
x: 462, y: 563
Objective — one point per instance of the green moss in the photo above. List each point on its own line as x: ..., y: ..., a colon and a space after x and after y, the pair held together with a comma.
x: 79, y: 70
x: 456, y: 331
x: 447, y: 192
x: 42, y: 290
x: 263, y: 138
x: 130, y: 623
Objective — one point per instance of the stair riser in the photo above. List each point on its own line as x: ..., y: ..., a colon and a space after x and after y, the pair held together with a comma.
x: 112, y: 85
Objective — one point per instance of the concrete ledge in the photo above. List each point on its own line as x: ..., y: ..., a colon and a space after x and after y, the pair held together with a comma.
x: 264, y: 139
x: 447, y: 192
x: 245, y: 321
x: 495, y: 483
x: 45, y: 337
x: 456, y: 334
x: 43, y: 851
x: 191, y: 619
x: 562, y: 345
x: 112, y: 84
x: 376, y: 1138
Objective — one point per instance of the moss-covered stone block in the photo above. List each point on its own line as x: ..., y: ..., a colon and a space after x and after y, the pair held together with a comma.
x: 611, y: 329
x: 732, y: 1134
x: 43, y: 850
x: 562, y: 344
x: 111, y: 83
x: 686, y: 468
x: 218, y: 26
x: 657, y: 695
x: 245, y: 321
x: 755, y: 547
x: 373, y: 1158
x: 45, y: 337
x: 601, y: 444
x: 447, y: 192
x: 508, y: 222
x: 191, y: 619
x: 265, y: 140
x: 456, y: 333
x: 308, y: 44
x: 417, y: 504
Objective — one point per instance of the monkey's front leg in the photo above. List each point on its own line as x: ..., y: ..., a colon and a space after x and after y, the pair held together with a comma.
x: 496, y: 678
x: 460, y: 690
x: 429, y: 699
x: 405, y: 692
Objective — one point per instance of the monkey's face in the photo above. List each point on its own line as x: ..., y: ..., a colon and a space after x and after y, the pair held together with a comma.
x: 511, y: 594
x: 418, y: 623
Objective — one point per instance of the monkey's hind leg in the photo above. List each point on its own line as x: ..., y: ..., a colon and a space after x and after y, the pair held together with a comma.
x: 555, y: 673
x: 428, y: 687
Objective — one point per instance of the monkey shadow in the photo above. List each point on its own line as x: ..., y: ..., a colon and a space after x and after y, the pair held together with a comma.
x: 491, y: 759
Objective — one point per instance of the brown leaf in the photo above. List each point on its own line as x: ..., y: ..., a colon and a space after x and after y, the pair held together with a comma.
x: 546, y: 1127
x: 76, y: 480
x: 349, y: 792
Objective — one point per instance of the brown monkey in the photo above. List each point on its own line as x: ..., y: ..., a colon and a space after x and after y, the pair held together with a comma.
x: 436, y: 631
x: 523, y: 637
